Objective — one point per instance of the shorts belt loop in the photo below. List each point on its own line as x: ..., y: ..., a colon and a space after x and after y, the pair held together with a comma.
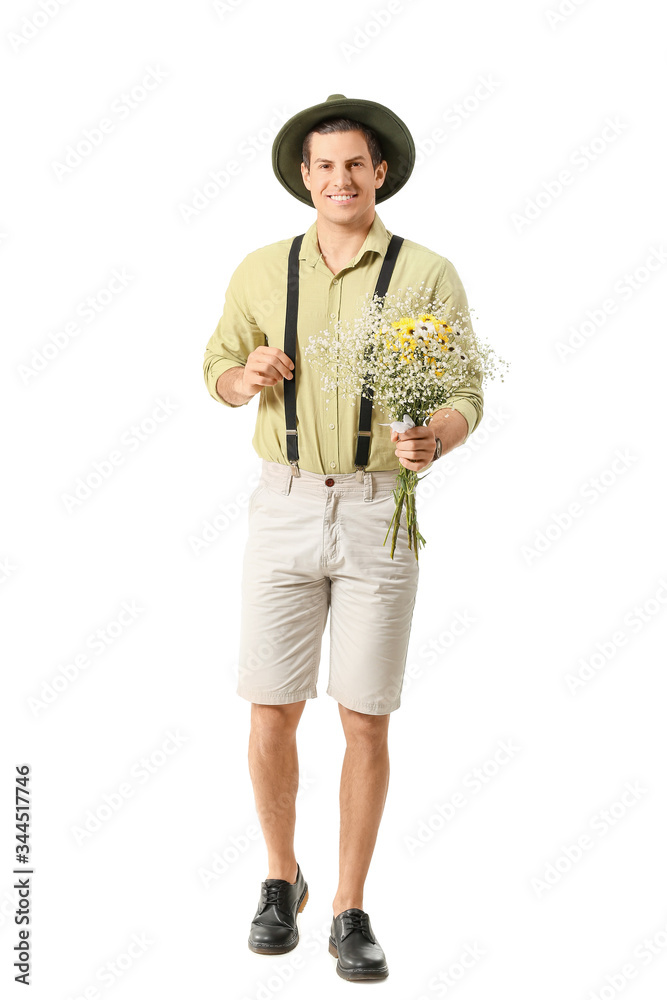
x: 368, y: 485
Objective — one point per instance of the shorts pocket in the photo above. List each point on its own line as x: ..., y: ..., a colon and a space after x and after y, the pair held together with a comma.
x: 254, y: 496
x: 381, y: 498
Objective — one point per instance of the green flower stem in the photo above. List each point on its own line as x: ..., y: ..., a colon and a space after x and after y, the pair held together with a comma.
x: 406, y: 485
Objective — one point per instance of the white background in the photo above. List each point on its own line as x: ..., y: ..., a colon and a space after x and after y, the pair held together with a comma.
x: 542, y: 592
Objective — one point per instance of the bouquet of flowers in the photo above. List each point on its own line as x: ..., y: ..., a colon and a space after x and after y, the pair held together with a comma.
x: 415, y: 353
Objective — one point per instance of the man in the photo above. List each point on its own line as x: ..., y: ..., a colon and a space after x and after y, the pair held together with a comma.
x: 318, y: 518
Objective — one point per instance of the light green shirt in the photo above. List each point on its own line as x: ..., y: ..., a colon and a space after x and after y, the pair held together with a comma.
x: 254, y: 316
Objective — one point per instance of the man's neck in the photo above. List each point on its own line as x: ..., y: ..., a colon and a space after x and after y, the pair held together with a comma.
x: 341, y: 243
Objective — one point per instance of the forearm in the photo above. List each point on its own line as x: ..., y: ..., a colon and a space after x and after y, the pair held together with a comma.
x: 450, y: 426
x: 229, y: 386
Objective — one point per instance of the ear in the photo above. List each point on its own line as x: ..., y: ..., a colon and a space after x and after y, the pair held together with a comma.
x: 305, y: 173
x: 380, y: 173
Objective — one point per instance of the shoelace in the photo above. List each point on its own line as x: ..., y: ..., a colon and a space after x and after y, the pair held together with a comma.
x: 356, y: 921
x: 272, y: 894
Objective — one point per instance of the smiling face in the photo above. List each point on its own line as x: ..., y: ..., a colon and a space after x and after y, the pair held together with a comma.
x: 341, y: 179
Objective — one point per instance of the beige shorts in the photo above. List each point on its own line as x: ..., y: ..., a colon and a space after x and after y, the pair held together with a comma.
x: 316, y: 542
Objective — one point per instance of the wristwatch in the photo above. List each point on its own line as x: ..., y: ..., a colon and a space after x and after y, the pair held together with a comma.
x: 438, y: 450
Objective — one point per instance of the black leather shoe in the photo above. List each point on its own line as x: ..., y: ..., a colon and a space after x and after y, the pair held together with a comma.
x: 353, y: 943
x: 273, y: 930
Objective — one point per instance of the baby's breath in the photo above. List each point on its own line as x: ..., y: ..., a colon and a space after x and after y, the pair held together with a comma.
x: 414, y: 352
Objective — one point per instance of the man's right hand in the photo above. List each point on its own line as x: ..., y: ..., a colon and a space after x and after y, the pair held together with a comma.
x: 265, y: 366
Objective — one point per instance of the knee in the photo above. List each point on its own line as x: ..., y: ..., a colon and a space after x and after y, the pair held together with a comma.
x: 274, y: 726
x: 366, y: 732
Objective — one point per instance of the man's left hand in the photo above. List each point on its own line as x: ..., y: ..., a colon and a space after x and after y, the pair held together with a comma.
x: 415, y: 447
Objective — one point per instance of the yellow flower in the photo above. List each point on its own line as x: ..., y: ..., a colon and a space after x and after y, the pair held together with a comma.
x: 405, y: 323
x: 405, y: 341
x: 439, y: 324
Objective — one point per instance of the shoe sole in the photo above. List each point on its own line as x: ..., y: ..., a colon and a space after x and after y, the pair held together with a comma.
x: 282, y: 949
x: 356, y: 975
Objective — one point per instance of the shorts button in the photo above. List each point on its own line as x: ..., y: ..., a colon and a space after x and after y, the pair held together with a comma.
x: 329, y: 481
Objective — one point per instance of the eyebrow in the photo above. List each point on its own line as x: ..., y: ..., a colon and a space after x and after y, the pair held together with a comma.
x: 320, y: 159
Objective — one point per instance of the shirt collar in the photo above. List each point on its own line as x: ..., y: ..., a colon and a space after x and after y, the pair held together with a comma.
x: 377, y: 241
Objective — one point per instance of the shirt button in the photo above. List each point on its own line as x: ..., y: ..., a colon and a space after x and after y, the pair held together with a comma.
x: 329, y: 481
x: 335, y: 281
x: 331, y: 426
x: 332, y: 315
x: 332, y: 464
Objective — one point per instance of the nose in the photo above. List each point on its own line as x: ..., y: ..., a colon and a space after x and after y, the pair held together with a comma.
x: 340, y: 177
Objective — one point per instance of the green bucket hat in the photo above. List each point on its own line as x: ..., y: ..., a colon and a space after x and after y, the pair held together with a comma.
x: 398, y: 147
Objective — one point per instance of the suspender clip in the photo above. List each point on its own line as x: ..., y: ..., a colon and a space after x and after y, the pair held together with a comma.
x: 360, y: 473
x: 295, y: 468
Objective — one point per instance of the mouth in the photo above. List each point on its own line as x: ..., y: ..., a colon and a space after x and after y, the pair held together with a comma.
x: 341, y: 199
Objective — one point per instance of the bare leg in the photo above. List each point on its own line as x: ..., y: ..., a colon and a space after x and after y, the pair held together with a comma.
x: 363, y: 792
x: 274, y: 771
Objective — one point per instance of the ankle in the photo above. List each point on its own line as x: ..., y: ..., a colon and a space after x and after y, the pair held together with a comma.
x: 287, y: 870
x: 347, y: 902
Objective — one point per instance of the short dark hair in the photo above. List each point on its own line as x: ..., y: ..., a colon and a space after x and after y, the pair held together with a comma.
x: 344, y: 125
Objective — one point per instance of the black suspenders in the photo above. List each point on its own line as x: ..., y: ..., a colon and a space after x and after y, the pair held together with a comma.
x: 291, y: 315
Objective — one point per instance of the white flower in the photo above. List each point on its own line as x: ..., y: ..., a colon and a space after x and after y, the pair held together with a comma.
x: 401, y: 426
x: 425, y: 328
